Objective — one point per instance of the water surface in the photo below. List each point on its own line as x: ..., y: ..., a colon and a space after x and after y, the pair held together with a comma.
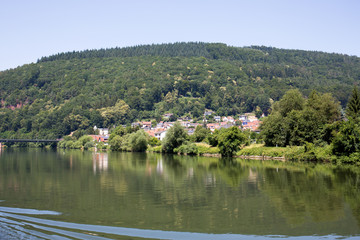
x: 122, y: 195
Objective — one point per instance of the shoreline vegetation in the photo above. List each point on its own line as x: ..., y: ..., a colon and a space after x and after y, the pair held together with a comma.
x: 309, y: 129
x: 251, y: 152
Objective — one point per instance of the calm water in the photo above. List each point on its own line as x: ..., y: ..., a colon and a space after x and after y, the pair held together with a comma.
x: 86, y: 195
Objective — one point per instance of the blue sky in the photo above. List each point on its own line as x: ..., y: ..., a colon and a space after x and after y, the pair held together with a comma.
x: 36, y: 28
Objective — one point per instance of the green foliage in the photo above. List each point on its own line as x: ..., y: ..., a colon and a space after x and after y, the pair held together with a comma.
x: 85, y: 139
x: 353, y: 105
x: 309, y: 152
x: 292, y: 100
x: 174, y: 138
x: 89, y: 145
x: 295, y: 121
x: 77, y: 90
x: 200, y: 134
x: 119, y: 130
x: 263, y: 151
x: 187, y: 148
x: 153, y: 141
x: 138, y: 141
x: 101, y: 146
x: 207, y: 149
x: 347, y: 140
x: 115, y: 114
x: 157, y: 149
x: 116, y: 143
x: 213, y: 138
x: 230, y: 140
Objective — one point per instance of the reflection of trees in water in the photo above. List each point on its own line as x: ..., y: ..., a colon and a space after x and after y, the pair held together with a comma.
x: 315, y: 193
x: 230, y: 171
x: 347, y: 180
x: 179, y: 192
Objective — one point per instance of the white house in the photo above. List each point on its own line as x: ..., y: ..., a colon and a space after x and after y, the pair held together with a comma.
x: 160, y: 135
x: 102, y: 131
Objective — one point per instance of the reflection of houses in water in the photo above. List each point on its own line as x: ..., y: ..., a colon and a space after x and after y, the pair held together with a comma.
x: 210, y: 180
x: 190, y: 173
x: 159, y: 166
x: 252, y: 176
x: 100, y: 161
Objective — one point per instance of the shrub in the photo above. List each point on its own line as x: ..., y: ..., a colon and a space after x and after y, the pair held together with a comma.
x: 88, y: 145
x: 85, y: 139
x: 205, y: 148
x: 153, y: 141
x: 77, y: 145
x: 69, y: 144
x: 157, y: 149
x: 116, y: 143
x: 138, y: 141
x: 187, y: 148
x: 230, y: 140
x: 174, y: 138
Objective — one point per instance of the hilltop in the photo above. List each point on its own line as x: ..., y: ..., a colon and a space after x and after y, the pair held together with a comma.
x: 77, y: 90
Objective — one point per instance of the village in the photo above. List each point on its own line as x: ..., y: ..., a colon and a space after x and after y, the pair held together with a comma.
x: 246, y: 121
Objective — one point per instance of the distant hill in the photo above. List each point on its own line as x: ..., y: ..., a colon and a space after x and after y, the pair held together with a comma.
x: 76, y: 90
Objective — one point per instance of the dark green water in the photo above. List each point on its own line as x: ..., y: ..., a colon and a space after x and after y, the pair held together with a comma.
x: 128, y: 196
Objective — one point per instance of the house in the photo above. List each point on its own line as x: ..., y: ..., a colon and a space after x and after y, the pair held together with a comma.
x: 135, y: 124
x: 217, y: 118
x: 252, y: 118
x: 230, y: 119
x: 146, y: 125
x: 160, y: 135
x: 167, y: 115
x: 212, y: 126
x: 208, y: 112
x: 100, y: 138
x: 243, y: 118
x: 102, y: 131
x: 253, y: 126
x: 225, y: 125
x: 224, y: 119
x: 185, y: 124
x: 190, y: 131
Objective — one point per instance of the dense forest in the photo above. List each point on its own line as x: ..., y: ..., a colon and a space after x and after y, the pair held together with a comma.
x: 106, y: 87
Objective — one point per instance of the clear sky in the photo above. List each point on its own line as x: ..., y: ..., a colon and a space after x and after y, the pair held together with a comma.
x: 30, y: 29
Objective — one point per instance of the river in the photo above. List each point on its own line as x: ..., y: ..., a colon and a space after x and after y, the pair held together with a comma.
x: 60, y: 194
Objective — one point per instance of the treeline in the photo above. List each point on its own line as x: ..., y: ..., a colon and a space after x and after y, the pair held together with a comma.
x: 317, y: 124
x: 107, y: 87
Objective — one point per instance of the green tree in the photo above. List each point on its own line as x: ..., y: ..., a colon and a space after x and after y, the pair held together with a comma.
x: 118, y: 131
x: 347, y: 140
x: 295, y: 121
x: 116, y: 143
x: 292, y: 100
x: 153, y: 141
x: 174, y: 138
x: 200, y: 133
x: 273, y: 130
x: 353, y: 106
x: 115, y: 114
x: 230, y: 141
x: 138, y: 141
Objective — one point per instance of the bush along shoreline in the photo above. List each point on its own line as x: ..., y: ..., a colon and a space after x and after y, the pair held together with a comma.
x: 136, y: 140
x: 298, y: 129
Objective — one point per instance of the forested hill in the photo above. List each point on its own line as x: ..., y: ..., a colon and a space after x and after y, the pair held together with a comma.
x: 77, y: 90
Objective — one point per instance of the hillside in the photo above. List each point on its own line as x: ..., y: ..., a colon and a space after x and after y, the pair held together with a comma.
x: 78, y: 90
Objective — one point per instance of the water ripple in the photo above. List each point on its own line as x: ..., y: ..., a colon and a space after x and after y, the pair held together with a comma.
x: 15, y: 226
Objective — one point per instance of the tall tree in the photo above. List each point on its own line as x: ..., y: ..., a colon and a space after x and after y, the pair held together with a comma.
x: 174, y: 137
x: 353, y: 106
x: 230, y: 140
